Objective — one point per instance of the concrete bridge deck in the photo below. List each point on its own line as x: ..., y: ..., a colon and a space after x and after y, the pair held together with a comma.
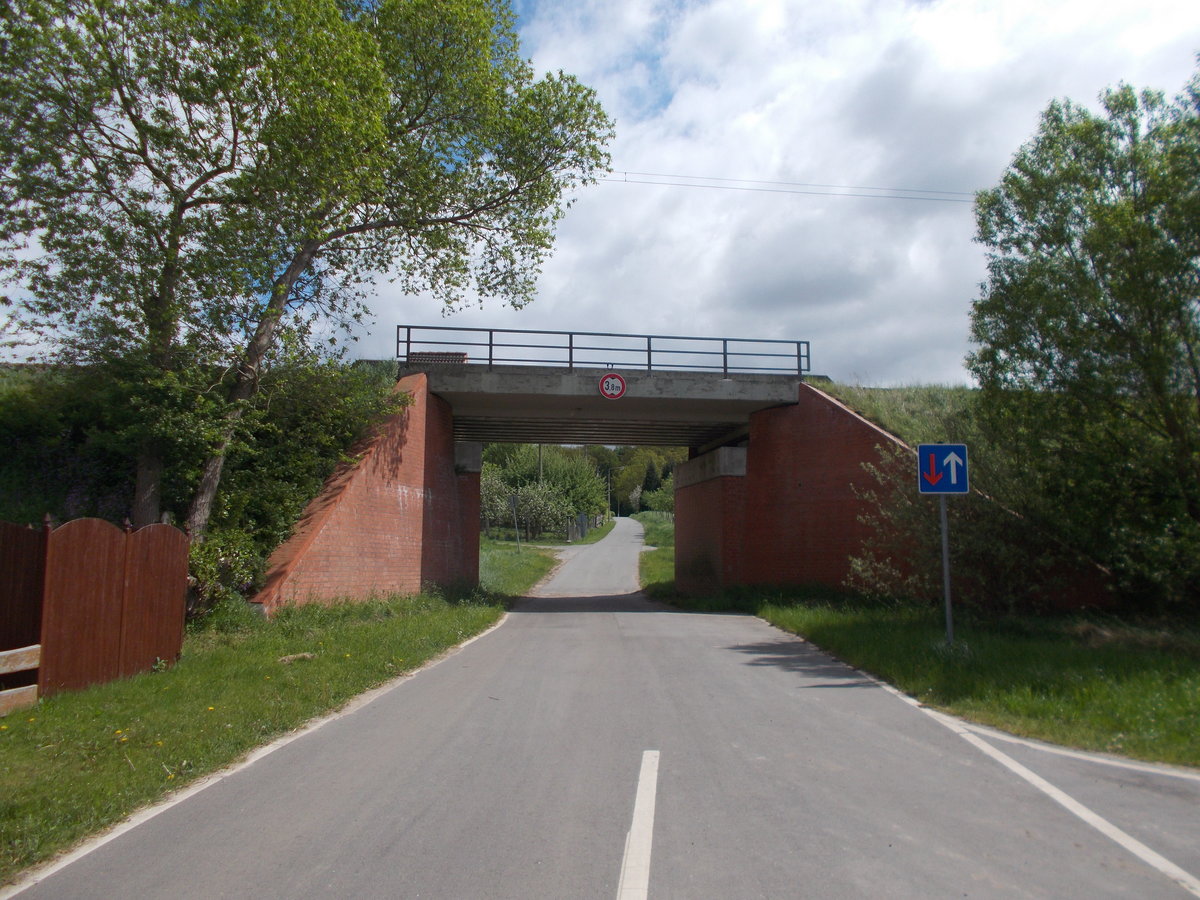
x: 553, y: 405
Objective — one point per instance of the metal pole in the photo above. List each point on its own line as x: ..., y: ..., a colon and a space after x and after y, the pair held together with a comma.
x: 649, y: 354
x: 946, y: 573
x: 491, y: 338
x: 725, y: 357
x: 516, y: 525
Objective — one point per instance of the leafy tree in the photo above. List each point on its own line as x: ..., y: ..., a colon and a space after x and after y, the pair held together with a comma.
x: 663, y: 499
x: 494, y: 494
x: 1088, y: 332
x: 570, y: 474
x: 634, y: 466
x: 652, y: 481
x: 184, y: 183
x: 152, y: 162
x: 541, y: 508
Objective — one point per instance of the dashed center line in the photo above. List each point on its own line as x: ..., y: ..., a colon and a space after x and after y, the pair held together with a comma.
x: 635, y: 866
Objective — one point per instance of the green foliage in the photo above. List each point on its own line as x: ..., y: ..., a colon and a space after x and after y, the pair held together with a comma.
x: 494, y: 496
x: 65, y: 450
x: 1003, y: 559
x: 306, y: 418
x: 184, y: 186
x: 540, y: 507
x: 656, y: 568
x: 1088, y: 334
x: 222, y: 570
x: 551, y: 485
x: 53, y: 458
x: 662, y: 499
x: 658, y: 529
x: 509, y: 570
x: 632, y: 471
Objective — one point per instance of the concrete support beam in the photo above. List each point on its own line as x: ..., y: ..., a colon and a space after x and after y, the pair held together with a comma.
x: 468, y: 456
x: 710, y: 510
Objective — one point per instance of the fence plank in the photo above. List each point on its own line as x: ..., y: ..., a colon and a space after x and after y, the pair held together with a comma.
x: 20, y: 659
x: 17, y: 698
x: 155, y: 597
x: 81, y: 617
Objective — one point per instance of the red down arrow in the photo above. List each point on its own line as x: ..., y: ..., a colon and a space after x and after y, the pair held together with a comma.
x: 933, y: 476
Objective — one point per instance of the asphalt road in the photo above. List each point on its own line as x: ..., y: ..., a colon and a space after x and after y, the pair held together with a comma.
x: 598, y: 743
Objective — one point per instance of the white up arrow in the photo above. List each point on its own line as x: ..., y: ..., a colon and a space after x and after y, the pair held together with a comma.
x: 952, y: 462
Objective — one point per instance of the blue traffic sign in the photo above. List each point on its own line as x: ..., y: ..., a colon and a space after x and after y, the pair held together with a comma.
x: 942, y: 469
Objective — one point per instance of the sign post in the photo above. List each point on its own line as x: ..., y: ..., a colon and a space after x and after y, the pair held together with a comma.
x: 942, y: 470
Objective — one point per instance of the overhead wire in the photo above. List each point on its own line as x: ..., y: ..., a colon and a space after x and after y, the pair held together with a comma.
x: 790, y: 187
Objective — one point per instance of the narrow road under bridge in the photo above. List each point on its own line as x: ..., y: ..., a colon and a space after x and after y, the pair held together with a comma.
x: 767, y: 496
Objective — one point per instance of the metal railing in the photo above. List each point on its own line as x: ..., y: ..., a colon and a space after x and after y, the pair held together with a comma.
x: 445, y: 345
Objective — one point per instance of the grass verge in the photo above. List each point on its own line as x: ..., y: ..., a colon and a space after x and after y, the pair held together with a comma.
x: 502, y: 535
x: 656, y: 568
x: 81, y: 761
x: 511, y: 570
x: 1083, y: 682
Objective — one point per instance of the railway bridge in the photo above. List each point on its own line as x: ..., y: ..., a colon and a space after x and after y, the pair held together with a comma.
x: 765, y: 497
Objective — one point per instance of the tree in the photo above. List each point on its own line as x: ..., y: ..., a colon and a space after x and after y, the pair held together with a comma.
x: 151, y: 159
x: 184, y: 183
x: 651, y: 481
x: 494, y: 496
x: 1088, y: 330
x: 663, y: 499
x: 568, y: 473
x: 541, y: 508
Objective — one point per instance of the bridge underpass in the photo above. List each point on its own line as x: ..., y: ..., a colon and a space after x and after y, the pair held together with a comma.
x: 765, y: 498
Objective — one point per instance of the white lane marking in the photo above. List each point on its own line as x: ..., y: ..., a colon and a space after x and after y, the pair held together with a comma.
x: 984, y: 731
x: 1150, y: 768
x: 1188, y: 881
x: 635, y: 866
x: 40, y: 873
x: 1184, y: 879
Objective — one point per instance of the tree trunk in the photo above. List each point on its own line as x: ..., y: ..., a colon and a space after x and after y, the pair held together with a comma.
x: 244, y: 387
x: 200, y: 509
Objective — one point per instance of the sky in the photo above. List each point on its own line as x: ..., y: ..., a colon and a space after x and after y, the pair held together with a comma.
x: 738, y: 109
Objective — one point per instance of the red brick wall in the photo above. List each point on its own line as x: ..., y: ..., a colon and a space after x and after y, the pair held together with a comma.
x: 390, y: 522
x: 801, y: 464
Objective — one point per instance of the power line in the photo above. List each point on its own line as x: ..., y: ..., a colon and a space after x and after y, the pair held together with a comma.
x: 792, y: 187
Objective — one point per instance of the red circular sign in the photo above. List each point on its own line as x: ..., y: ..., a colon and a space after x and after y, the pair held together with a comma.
x: 612, y: 386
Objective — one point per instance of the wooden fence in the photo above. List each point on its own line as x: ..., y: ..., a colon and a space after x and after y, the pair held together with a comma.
x: 86, y: 603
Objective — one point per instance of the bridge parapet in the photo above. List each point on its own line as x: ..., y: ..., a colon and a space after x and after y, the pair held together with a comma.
x: 446, y: 345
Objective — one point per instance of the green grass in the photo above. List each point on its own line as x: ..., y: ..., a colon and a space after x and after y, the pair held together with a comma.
x: 656, y: 568
x: 1094, y: 684
x: 81, y: 761
x: 507, y: 535
x: 916, y: 414
x: 511, y: 570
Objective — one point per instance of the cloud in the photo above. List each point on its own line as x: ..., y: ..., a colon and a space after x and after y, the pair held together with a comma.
x: 936, y: 96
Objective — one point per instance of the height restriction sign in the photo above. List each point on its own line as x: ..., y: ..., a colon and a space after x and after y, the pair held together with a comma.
x: 612, y: 386
x: 942, y: 469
